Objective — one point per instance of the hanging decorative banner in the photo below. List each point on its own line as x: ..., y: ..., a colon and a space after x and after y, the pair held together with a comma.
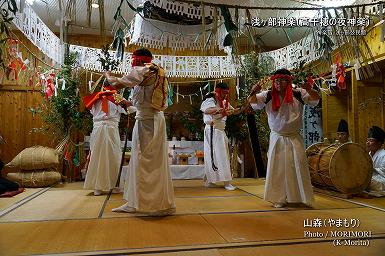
x: 158, y: 34
x: 288, y: 57
x: 190, y: 10
x: 175, y: 66
x: 28, y: 22
x: 312, y: 125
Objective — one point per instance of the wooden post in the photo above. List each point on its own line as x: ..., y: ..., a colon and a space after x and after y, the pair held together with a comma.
x: 353, y: 109
x: 253, y: 132
x: 325, y: 115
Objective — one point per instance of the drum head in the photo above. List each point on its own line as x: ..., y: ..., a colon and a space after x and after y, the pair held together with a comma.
x: 350, y: 168
x: 314, y: 148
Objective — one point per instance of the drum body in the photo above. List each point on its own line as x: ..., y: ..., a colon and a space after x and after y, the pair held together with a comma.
x: 346, y: 167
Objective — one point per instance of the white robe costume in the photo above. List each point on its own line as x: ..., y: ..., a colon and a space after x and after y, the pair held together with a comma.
x: 221, y: 153
x: 378, y: 178
x: 106, y: 153
x: 288, y: 177
x: 148, y: 187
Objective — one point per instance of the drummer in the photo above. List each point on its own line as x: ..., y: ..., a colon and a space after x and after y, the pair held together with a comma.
x: 343, y: 132
x: 375, y: 145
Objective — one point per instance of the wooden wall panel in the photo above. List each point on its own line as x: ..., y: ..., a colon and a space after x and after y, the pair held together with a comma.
x: 361, y: 105
x: 16, y: 123
x: 370, y: 110
x: 334, y: 108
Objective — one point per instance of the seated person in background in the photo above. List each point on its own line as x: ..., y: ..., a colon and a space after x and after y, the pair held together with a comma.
x: 343, y: 132
x: 7, y: 187
x: 374, y: 144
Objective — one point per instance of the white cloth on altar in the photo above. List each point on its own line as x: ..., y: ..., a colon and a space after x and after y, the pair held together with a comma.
x: 187, y: 172
x: 221, y: 154
x: 103, y: 168
x: 378, y: 178
x: 180, y: 172
x: 288, y: 177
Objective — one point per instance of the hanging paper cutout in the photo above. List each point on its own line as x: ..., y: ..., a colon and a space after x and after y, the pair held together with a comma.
x: 16, y: 63
x: 76, y: 158
x: 170, y: 95
x: 340, y: 73
x: 63, y: 85
x: 50, y: 86
x: 56, y: 85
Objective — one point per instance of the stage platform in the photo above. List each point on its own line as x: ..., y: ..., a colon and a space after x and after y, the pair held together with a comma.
x: 67, y: 220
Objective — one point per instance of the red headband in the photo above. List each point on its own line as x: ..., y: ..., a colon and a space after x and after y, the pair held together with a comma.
x: 139, y: 60
x: 221, y: 90
x: 276, y: 101
x: 288, y: 77
x: 218, y: 91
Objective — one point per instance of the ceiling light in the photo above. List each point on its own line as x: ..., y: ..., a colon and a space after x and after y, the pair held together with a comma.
x: 95, y: 5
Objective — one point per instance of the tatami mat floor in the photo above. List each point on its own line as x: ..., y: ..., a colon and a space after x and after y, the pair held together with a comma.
x: 68, y: 220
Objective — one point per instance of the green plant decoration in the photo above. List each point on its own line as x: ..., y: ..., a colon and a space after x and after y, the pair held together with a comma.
x: 236, y: 127
x: 34, y: 111
x: 301, y: 74
x: 326, y: 46
x: 7, y: 7
x: 193, y: 121
x: 253, y: 67
x: 62, y: 113
x: 107, y: 61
